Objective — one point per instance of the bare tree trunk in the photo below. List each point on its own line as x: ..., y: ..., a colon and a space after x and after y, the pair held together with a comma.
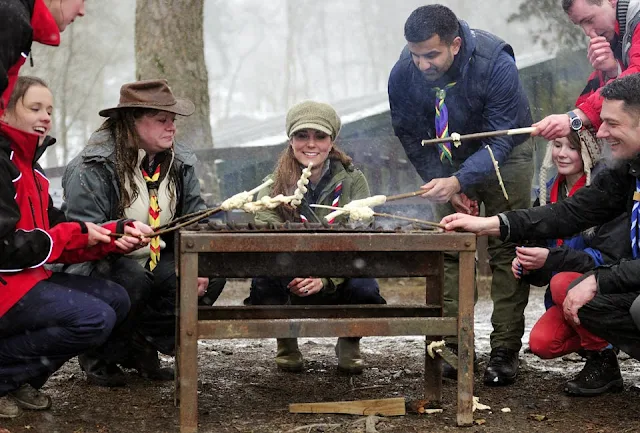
x: 169, y: 44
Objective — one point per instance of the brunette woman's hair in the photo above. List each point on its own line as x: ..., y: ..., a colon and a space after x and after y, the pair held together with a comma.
x: 288, y: 171
x: 123, y: 131
x: 23, y: 84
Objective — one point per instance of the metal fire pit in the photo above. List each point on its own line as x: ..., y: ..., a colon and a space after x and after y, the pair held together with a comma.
x: 291, y: 250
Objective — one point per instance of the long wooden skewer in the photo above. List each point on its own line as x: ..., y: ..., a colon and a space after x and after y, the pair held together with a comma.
x: 414, y: 220
x: 384, y: 215
x: 182, y: 218
x: 478, y: 135
x: 198, y: 217
x: 405, y: 195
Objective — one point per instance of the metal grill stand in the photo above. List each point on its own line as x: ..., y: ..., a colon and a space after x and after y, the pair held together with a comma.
x: 245, y: 254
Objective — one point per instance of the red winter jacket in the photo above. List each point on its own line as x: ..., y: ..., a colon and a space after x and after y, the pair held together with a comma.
x: 592, y: 105
x: 33, y: 232
x: 21, y: 23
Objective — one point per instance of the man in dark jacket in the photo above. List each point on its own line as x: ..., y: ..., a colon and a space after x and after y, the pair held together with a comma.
x: 601, y: 300
x: 451, y: 78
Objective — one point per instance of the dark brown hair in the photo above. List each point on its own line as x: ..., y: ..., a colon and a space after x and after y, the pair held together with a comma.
x: 23, y: 84
x: 288, y: 171
x: 127, y: 142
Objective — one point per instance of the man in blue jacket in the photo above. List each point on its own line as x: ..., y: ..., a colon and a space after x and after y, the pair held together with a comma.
x: 450, y: 78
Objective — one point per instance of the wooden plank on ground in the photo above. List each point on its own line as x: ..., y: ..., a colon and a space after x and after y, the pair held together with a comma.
x: 384, y: 407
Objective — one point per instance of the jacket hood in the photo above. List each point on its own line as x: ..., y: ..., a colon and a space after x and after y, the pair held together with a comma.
x: 468, y: 45
x: 45, y: 28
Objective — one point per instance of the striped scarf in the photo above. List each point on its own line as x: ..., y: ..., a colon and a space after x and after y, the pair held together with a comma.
x: 154, y: 214
x: 442, y: 122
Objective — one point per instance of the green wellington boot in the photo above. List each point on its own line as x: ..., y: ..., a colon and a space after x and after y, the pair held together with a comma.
x: 349, y: 358
x: 288, y: 357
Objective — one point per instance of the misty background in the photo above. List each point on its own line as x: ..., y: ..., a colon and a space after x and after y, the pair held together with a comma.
x: 263, y: 57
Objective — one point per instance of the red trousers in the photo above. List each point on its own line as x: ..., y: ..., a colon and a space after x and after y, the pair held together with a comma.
x: 552, y: 336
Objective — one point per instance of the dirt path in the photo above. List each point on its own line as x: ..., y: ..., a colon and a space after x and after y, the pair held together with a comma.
x: 240, y: 390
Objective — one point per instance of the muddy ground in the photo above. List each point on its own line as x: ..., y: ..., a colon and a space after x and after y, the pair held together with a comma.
x: 240, y: 389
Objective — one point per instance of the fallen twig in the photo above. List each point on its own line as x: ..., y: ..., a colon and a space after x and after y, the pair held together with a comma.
x: 308, y: 427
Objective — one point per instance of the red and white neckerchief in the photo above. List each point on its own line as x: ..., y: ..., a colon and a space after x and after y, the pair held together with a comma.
x: 337, y: 191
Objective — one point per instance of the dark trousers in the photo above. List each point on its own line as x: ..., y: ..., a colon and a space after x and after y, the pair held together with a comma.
x: 509, y: 296
x: 274, y: 291
x: 57, y: 319
x: 152, y: 317
x: 609, y: 317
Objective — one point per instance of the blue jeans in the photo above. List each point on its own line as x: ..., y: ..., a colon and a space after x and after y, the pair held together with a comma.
x: 57, y: 319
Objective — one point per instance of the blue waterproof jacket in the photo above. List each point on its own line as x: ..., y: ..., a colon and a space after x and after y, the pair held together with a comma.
x: 488, y: 96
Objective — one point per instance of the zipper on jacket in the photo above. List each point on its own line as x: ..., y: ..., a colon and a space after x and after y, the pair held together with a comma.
x: 33, y: 213
x: 44, y: 216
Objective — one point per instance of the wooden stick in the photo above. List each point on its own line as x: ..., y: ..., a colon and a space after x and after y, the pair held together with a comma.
x: 198, y: 217
x: 478, y: 135
x: 182, y: 218
x: 414, y: 220
x: 405, y: 195
x: 384, y: 215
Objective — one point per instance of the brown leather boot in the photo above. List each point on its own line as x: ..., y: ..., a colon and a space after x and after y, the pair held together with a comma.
x: 349, y: 358
x: 9, y: 408
x: 288, y: 357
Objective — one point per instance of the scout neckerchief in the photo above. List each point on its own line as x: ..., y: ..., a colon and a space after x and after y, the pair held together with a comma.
x: 442, y: 122
x: 635, y: 212
x: 154, y: 213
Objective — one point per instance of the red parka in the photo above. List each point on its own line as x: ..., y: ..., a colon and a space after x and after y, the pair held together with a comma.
x: 32, y: 231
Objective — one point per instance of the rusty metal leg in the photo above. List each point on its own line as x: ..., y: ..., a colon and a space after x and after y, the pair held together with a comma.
x: 433, y: 367
x: 188, y: 351
x: 465, y: 338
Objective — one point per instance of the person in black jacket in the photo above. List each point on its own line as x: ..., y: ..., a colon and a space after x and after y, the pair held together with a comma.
x: 605, y: 301
x: 23, y: 22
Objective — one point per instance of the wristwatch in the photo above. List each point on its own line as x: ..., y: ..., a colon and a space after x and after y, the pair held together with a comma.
x: 574, y: 121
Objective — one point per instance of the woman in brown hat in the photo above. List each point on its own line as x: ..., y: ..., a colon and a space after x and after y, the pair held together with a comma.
x: 133, y: 168
x: 312, y: 128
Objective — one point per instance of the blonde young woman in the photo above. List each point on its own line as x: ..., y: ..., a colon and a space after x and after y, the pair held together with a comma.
x: 312, y: 128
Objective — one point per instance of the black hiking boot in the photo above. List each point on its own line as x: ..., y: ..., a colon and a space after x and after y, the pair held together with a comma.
x: 600, y: 374
x: 502, y: 368
x: 100, y: 372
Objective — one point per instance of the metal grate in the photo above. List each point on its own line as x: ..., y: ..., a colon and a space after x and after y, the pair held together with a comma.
x: 292, y: 227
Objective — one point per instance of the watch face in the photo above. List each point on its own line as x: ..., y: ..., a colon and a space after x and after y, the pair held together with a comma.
x: 576, y: 123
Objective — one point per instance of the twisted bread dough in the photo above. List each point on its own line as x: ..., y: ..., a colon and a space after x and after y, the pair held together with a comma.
x: 368, y: 202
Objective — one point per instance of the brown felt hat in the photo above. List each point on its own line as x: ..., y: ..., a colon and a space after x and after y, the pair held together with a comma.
x: 155, y: 94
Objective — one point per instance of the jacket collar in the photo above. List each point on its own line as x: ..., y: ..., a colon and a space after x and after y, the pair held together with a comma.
x: 634, y: 166
x: 45, y: 28
x: 23, y: 144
